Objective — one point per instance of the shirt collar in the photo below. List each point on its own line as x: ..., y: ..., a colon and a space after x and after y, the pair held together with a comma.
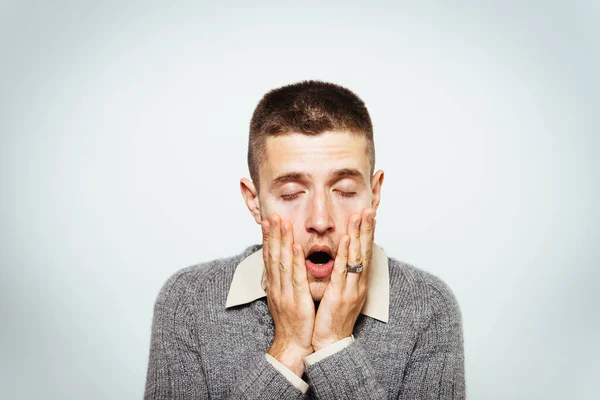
x: 246, y: 285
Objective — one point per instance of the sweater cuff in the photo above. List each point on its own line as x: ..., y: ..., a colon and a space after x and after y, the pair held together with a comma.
x: 328, y: 351
x: 289, y: 375
x: 347, y: 374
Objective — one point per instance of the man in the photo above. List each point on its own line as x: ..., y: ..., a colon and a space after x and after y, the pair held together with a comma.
x: 318, y: 310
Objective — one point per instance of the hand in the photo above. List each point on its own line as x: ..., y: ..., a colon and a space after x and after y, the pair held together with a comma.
x: 288, y: 294
x: 346, y: 292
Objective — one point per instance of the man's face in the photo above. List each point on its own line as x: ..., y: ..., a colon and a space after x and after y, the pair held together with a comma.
x: 317, y: 183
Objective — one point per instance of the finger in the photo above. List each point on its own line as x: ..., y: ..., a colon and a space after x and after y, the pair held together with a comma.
x: 265, y: 248
x: 300, y: 276
x: 274, y: 252
x: 286, y: 258
x: 338, y: 275
x: 367, y: 230
x: 354, y: 253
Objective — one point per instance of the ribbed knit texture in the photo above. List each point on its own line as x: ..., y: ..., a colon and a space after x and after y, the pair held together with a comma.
x: 201, y: 350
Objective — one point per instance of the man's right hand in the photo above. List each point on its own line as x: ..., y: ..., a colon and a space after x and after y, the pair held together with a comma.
x: 288, y: 294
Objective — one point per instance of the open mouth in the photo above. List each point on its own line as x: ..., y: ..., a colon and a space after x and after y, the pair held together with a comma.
x: 319, y: 257
x: 319, y: 262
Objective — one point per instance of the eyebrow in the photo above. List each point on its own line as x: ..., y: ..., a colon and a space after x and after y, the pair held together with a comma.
x: 346, y: 173
x: 303, y: 177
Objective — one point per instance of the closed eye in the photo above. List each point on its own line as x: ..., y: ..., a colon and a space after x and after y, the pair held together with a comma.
x: 289, y: 197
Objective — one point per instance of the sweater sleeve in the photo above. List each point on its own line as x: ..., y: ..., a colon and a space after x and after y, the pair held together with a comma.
x: 265, y: 382
x: 175, y: 366
x: 346, y: 374
x: 175, y: 369
x: 436, y: 367
x: 294, y: 379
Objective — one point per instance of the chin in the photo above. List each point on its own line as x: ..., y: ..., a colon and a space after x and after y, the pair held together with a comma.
x: 317, y: 288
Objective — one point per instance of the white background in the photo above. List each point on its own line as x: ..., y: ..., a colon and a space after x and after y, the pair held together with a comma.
x: 123, y: 138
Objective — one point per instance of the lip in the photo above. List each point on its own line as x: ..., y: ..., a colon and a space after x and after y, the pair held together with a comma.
x: 323, y: 248
x: 319, y: 270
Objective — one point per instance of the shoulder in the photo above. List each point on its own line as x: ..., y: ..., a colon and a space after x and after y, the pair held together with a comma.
x: 210, y: 279
x: 422, y: 293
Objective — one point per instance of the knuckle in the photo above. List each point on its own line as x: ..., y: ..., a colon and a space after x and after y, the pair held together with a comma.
x: 282, y: 266
x: 265, y: 231
x: 358, y: 259
x: 297, y: 281
x: 273, y: 259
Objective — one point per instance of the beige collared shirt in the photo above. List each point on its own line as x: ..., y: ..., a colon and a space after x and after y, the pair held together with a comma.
x: 247, y: 287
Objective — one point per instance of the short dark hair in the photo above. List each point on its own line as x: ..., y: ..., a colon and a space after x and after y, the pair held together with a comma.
x: 311, y: 108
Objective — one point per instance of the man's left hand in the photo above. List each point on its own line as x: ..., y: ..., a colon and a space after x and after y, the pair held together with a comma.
x: 346, y: 292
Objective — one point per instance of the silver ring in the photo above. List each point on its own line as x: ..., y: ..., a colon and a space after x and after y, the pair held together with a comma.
x: 357, y: 268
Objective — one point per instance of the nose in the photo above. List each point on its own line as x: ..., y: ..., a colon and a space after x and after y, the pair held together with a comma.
x: 320, y: 216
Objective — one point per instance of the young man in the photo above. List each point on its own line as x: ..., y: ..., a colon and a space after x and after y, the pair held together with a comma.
x: 318, y: 310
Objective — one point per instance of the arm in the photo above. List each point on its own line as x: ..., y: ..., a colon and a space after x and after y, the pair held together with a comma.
x: 346, y: 373
x: 436, y: 367
x: 175, y: 367
x: 264, y: 381
x: 434, y: 371
x: 175, y: 370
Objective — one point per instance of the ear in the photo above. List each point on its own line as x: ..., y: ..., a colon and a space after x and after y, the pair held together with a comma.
x: 250, y: 195
x: 376, y: 183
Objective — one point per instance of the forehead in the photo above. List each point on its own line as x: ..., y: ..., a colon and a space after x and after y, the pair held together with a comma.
x: 316, y: 155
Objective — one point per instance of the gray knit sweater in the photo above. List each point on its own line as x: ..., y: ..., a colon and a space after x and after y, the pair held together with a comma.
x: 201, y: 350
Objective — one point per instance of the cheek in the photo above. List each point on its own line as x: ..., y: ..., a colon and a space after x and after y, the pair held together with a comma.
x: 293, y: 211
x: 288, y: 211
x: 295, y: 214
x: 345, y: 208
x: 353, y: 204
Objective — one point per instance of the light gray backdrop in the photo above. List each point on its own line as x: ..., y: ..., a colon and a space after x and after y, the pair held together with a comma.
x: 123, y: 137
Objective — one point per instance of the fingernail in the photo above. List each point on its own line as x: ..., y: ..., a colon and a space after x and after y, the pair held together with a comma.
x: 370, y: 218
x: 295, y: 250
x: 357, y: 223
x: 282, y: 230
